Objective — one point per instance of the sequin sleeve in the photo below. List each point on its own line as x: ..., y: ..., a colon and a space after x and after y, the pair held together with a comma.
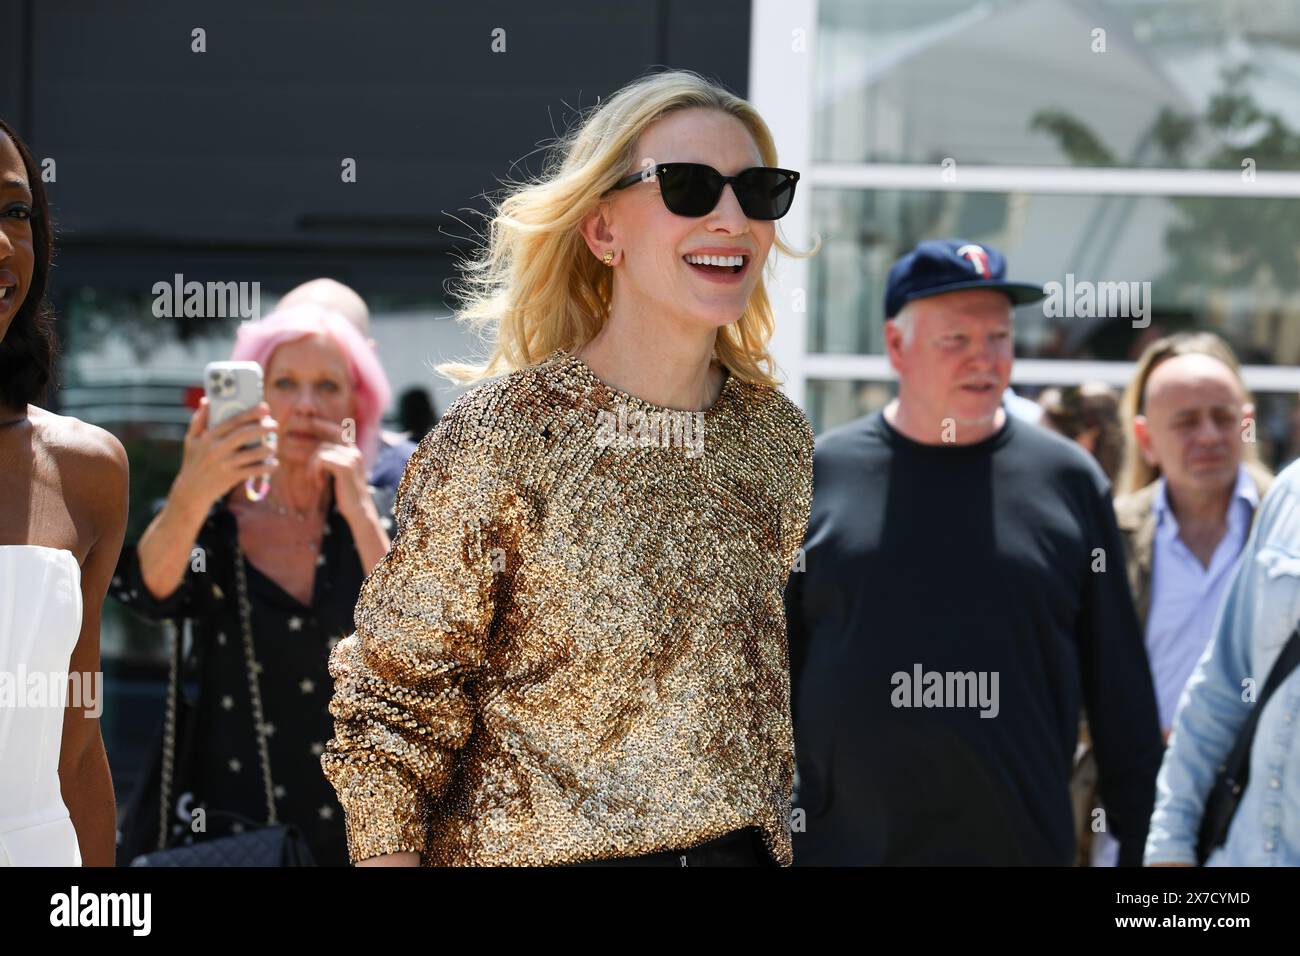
x: 796, y: 503
x: 400, y: 705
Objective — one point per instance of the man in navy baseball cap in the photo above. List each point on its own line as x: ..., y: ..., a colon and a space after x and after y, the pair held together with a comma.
x: 950, y: 543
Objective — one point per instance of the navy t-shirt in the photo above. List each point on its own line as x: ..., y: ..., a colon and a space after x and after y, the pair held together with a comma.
x: 951, y: 619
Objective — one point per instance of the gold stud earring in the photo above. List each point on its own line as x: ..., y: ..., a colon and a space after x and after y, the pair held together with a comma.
x: 609, y: 257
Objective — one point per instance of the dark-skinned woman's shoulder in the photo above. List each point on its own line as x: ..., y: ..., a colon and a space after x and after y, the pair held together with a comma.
x: 91, y: 462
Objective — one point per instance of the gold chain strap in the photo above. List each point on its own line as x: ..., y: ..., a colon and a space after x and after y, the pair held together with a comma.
x: 169, y: 734
x: 173, y: 688
x: 259, y: 720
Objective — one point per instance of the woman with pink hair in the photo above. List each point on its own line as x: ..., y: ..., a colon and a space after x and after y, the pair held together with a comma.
x: 249, y: 750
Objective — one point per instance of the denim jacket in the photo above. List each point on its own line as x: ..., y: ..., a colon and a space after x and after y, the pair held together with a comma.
x: 1260, y: 611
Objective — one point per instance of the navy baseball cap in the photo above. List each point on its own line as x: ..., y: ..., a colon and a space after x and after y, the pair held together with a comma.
x: 937, y: 266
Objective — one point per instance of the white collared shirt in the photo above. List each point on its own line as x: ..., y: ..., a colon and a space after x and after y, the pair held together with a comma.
x: 1185, y: 595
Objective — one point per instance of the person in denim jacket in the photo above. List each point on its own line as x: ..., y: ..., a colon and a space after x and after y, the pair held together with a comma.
x: 1261, y: 610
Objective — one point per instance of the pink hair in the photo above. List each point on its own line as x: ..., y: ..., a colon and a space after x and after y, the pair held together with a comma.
x: 371, y: 393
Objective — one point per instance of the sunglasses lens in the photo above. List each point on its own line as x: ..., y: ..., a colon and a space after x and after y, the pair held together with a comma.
x: 690, y: 190
x: 765, y: 193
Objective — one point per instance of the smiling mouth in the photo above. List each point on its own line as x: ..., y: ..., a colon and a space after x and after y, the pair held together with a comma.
x: 718, y: 264
x: 978, y: 389
x: 7, y: 294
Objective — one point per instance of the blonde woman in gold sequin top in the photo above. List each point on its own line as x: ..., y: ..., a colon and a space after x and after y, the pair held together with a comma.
x: 575, y: 651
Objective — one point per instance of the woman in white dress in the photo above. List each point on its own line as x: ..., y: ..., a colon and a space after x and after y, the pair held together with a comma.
x: 63, y: 493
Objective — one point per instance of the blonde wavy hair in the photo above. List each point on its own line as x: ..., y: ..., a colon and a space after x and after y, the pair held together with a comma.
x: 535, y: 286
x: 1137, y: 472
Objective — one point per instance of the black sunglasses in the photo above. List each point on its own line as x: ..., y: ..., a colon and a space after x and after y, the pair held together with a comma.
x: 693, y: 189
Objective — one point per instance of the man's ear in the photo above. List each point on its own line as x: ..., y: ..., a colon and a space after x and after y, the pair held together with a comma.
x: 1142, y: 434
x: 894, y: 344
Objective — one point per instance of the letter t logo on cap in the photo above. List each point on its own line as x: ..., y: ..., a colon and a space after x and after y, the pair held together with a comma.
x: 979, y: 259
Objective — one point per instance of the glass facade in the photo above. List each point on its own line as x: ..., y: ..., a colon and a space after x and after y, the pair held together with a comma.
x: 1226, y: 264
x: 1154, y: 83
x: 927, y: 87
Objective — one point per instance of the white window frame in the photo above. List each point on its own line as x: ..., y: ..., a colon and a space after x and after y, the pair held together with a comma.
x: 781, y: 80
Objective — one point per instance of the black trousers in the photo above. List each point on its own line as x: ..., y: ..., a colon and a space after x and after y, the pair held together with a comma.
x: 738, y: 848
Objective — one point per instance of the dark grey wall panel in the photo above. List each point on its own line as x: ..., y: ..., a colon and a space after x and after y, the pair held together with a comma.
x: 242, y: 144
x: 14, y: 21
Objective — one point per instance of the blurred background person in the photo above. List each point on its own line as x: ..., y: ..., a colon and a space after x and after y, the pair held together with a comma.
x: 1087, y: 414
x: 394, y: 449
x: 1189, y: 493
x: 416, y: 413
x: 1255, y: 642
x: 1023, y: 408
x: 300, y: 555
x: 63, y: 505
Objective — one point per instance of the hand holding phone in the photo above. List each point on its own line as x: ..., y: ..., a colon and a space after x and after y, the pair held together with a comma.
x: 219, y: 455
x: 234, y: 389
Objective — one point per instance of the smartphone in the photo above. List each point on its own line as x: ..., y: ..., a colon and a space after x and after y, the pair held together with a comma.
x: 232, y: 388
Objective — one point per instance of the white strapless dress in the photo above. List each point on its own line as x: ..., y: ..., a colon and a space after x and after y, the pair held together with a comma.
x: 40, y: 619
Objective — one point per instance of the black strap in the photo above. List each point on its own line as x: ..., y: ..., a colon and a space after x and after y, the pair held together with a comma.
x: 1286, y: 662
x: 1282, y: 667
x: 1234, y: 773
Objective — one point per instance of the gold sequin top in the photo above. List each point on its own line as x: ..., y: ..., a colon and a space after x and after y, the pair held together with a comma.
x: 575, y: 648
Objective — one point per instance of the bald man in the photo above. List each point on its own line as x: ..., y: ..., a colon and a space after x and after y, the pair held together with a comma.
x: 394, y: 447
x: 333, y: 295
x: 1184, y: 531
